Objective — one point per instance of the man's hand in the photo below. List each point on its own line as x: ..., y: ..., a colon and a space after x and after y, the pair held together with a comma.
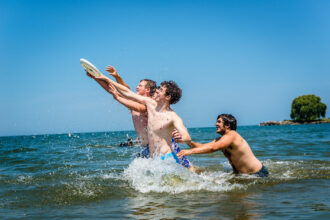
x: 90, y: 75
x: 113, y: 91
x: 112, y: 71
x: 177, y: 136
x: 184, y: 153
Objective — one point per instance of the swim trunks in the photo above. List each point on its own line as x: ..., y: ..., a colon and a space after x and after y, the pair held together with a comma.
x: 144, y: 152
x: 170, y: 155
x: 183, y: 160
x: 263, y: 172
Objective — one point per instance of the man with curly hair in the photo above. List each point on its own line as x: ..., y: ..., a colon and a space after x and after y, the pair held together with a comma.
x: 162, y: 120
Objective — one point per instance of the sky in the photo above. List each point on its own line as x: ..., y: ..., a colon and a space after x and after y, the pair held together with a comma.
x: 247, y: 58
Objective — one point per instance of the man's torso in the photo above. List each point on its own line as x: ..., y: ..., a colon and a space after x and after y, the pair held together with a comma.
x: 140, y: 121
x: 241, y: 156
x: 160, y: 128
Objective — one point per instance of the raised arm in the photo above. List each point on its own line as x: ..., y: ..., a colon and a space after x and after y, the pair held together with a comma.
x: 100, y: 82
x: 132, y: 105
x: 126, y: 92
x: 113, y: 72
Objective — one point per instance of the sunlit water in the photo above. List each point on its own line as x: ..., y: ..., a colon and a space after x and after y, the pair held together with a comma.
x: 89, y: 176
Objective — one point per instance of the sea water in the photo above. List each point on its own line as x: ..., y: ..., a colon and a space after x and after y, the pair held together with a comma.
x: 87, y: 175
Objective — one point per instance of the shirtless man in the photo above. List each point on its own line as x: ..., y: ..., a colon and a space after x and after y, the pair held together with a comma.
x: 162, y: 120
x: 233, y: 146
x: 146, y: 88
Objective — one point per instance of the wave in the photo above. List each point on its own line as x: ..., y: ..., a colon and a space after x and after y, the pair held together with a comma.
x: 156, y: 175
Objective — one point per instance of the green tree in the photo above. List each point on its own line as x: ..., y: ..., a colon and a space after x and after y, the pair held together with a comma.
x: 307, y: 108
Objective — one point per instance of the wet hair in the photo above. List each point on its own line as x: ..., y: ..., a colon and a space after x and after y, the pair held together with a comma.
x: 150, y: 85
x: 173, y: 90
x: 228, y: 120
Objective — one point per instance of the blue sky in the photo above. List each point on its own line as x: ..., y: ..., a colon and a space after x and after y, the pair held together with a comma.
x: 248, y: 58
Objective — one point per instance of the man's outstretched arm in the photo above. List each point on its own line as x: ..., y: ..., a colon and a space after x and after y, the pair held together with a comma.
x: 125, y: 91
x: 211, y: 147
x: 113, y: 72
x: 100, y: 82
x: 132, y: 105
x: 178, y: 139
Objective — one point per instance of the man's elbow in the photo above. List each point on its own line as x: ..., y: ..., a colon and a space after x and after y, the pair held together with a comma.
x: 214, y: 149
x: 141, y: 109
x: 186, y: 139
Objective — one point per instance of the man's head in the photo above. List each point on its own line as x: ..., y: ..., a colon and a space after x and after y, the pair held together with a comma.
x: 224, y: 122
x: 169, y: 91
x: 146, y: 87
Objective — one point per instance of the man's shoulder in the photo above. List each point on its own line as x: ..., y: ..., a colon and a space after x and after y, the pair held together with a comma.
x: 234, y: 134
x: 148, y: 100
x: 174, y: 115
x: 230, y: 134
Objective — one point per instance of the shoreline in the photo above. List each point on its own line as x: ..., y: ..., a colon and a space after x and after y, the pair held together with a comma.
x: 291, y: 122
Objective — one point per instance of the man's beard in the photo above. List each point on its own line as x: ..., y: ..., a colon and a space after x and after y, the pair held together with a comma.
x: 221, y: 132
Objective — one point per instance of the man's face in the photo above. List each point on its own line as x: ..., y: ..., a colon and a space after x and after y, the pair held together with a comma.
x: 221, y: 129
x: 141, y: 89
x: 160, y: 94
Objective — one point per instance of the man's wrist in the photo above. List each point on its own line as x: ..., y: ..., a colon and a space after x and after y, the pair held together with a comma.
x: 117, y: 77
x: 115, y: 96
x: 190, y: 151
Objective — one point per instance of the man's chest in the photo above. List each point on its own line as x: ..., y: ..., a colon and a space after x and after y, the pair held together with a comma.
x: 159, y: 121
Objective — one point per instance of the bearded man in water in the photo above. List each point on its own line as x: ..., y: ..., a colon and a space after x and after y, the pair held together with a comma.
x: 233, y: 146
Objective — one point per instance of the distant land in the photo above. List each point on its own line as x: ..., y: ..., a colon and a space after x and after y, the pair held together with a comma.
x: 292, y: 122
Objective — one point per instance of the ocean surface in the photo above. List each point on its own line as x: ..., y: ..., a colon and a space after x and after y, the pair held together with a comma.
x: 89, y: 176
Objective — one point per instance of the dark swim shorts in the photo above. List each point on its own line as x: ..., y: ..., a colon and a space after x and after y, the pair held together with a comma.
x: 144, y: 152
x: 263, y: 172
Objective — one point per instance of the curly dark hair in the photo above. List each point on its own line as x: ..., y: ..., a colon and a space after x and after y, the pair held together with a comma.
x: 151, y: 85
x: 173, y: 90
x: 228, y: 120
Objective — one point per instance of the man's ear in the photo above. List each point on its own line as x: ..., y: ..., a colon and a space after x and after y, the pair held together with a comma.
x: 168, y: 98
x: 148, y: 90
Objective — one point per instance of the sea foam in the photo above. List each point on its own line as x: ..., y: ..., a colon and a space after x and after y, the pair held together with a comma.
x: 156, y: 175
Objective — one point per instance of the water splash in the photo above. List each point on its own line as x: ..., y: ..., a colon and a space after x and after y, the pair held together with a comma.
x: 156, y: 175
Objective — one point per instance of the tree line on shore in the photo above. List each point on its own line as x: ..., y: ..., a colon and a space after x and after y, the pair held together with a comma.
x: 305, y: 109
